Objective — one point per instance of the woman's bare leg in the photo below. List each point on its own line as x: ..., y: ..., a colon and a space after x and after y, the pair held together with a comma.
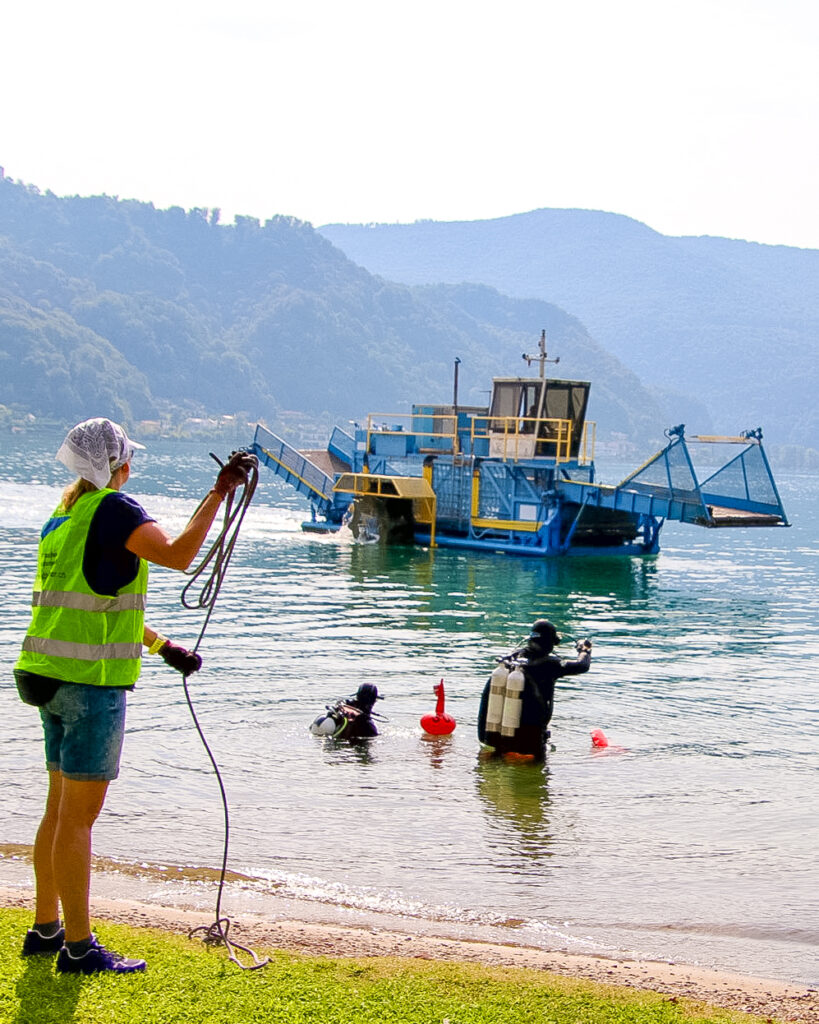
x: 78, y: 806
x: 47, y: 905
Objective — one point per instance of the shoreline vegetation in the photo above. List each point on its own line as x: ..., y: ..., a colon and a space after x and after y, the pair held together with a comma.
x: 305, y: 431
x: 609, y: 990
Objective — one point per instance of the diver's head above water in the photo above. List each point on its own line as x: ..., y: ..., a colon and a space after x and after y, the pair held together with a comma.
x: 366, y: 696
x: 543, y: 635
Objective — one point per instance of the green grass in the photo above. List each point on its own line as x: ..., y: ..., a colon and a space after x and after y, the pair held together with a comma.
x: 188, y: 982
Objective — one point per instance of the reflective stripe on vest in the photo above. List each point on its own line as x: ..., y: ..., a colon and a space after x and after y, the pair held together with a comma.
x: 76, y: 634
x: 82, y: 652
x: 88, y: 602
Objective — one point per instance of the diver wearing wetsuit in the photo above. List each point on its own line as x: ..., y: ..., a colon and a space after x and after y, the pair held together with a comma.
x: 350, y: 718
x: 360, y: 724
x: 542, y: 669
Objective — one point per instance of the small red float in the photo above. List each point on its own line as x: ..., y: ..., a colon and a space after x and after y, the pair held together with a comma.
x: 439, y: 724
x: 600, y: 743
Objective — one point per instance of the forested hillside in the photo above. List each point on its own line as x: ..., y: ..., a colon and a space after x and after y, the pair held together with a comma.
x: 111, y: 307
x: 731, y: 324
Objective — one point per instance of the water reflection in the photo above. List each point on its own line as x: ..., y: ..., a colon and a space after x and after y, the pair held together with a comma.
x: 345, y: 752
x: 457, y: 591
x: 516, y: 800
x: 436, y: 749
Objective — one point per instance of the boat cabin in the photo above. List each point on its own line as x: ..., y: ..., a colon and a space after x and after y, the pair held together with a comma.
x: 537, y: 417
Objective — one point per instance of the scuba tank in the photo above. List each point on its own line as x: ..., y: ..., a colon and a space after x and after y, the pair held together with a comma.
x: 330, y: 724
x: 497, y: 695
x: 513, y: 703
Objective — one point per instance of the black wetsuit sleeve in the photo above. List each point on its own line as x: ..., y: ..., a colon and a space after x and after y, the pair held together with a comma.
x: 576, y: 668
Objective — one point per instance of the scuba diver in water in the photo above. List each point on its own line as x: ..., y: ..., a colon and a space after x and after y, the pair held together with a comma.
x: 518, y: 699
x: 350, y: 718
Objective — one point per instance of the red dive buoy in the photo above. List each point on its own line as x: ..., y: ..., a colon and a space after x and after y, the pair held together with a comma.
x: 601, y: 743
x: 439, y: 724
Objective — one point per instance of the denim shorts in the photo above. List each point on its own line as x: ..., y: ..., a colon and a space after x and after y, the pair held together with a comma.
x: 84, y: 726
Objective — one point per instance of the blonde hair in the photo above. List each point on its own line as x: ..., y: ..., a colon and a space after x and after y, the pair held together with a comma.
x: 73, y: 493
x: 81, y: 486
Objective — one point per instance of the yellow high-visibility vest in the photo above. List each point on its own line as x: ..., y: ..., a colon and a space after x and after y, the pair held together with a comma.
x: 76, y: 634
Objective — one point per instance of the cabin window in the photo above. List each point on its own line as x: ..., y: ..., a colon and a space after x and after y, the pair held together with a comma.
x: 513, y: 400
x: 566, y: 400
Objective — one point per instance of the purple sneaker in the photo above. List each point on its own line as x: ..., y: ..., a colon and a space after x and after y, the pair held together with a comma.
x: 34, y: 942
x: 95, y: 959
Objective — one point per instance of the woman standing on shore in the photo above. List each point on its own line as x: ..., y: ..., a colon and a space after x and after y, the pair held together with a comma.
x: 81, y: 655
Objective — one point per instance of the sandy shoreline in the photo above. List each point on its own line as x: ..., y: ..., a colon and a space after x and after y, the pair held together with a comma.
x: 771, y: 999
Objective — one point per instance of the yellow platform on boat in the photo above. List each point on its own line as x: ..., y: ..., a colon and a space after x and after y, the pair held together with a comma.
x: 411, y: 488
x: 374, y: 485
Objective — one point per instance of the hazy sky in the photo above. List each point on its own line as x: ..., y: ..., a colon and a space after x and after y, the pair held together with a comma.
x: 695, y: 116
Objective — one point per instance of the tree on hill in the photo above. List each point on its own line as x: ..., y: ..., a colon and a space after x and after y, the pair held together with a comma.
x: 114, y: 304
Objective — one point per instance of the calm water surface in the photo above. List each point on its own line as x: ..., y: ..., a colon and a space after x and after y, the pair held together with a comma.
x: 696, y: 842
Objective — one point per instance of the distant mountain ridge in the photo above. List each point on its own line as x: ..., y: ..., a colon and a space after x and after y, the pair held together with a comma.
x: 729, y: 324
x: 112, y: 307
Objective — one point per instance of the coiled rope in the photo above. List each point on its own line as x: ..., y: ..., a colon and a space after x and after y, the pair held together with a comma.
x: 201, y: 591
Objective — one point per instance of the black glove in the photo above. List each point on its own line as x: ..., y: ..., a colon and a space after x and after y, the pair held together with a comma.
x: 583, y: 646
x: 182, y: 660
x: 234, y: 473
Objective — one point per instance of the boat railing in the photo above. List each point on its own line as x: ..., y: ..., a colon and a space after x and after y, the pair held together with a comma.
x: 430, y: 431
x: 512, y: 438
x: 294, y: 466
x: 588, y: 442
x: 524, y: 437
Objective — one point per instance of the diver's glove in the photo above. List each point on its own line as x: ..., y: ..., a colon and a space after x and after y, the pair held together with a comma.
x: 234, y: 473
x: 177, y: 657
x: 583, y: 646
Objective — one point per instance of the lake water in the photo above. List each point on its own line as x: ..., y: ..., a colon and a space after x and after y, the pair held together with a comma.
x: 696, y: 843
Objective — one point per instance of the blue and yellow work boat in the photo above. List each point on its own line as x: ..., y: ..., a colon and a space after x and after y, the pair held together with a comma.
x: 517, y: 477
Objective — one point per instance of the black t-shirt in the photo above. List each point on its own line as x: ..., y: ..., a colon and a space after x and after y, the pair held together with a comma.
x: 107, y: 564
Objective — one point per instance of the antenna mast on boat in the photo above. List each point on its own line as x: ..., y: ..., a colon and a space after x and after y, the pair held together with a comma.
x: 542, y: 357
